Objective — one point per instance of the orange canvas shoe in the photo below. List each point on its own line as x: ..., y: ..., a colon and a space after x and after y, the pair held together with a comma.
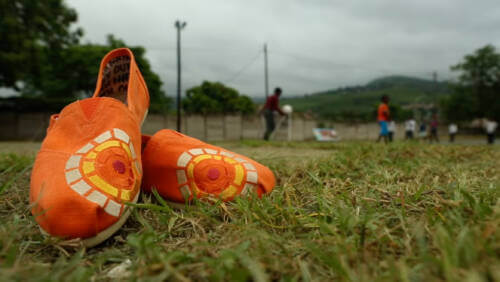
x: 180, y: 167
x: 89, y: 164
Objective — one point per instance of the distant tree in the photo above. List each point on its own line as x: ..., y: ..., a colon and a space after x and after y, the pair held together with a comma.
x: 158, y: 96
x: 398, y: 113
x: 462, y: 105
x: 72, y: 73
x: 245, y: 105
x: 28, y: 30
x: 216, y: 98
x: 477, y: 93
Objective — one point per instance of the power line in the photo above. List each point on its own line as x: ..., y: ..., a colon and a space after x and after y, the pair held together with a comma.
x: 341, y: 66
x: 196, y: 49
x: 299, y: 57
x: 244, y: 67
x: 266, y: 77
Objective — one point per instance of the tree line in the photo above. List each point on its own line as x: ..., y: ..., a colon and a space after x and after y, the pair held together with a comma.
x: 43, y: 59
x: 41, y: 56
x: 476, y: 94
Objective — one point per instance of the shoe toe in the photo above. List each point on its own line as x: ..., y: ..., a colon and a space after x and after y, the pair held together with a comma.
x: 80, y: 194
x: 181, y: 168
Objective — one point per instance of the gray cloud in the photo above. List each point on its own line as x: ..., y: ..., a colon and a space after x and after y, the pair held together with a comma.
x: 313, y: 45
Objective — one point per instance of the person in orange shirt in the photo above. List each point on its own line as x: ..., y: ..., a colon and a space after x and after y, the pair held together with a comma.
x: 383, y: 117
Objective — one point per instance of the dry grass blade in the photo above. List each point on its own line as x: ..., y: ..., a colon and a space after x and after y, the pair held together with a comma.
x: 351, y: 211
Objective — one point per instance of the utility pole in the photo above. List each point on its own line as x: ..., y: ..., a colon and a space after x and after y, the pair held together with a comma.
x: 435, y: 79
x: 179, y: 25
x: 266, y: 79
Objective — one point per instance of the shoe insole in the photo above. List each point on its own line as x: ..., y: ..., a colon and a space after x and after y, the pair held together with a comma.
x: 115, y: 79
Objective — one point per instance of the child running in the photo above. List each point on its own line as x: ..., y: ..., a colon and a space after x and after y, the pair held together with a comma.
x: 382, y: 118
x: 410, y: 128
x: 452, y: 130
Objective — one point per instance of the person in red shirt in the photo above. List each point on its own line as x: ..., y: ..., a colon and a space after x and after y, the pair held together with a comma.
x: 272, y: 105
x: 434, y: 129
x: 383, y: 117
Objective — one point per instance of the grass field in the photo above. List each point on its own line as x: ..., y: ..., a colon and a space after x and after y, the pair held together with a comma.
x: 352, y: 211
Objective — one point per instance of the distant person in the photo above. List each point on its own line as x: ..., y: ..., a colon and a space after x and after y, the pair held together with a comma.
x: 491, y: 127
x: 383, y: 116
x: 410, y: 126
x: 392, y: 130
x: 452, y: 131
x: 434, y: 129
x: 422, y: 131
x: 272, y: 105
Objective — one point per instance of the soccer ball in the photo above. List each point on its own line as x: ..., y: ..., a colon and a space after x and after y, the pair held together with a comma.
x: 287, y: 109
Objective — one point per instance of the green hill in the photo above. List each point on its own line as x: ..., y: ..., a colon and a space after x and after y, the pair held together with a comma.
x: 360, y: 101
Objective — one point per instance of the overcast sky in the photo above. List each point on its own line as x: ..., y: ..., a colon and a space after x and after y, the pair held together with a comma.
x: 313, y: 45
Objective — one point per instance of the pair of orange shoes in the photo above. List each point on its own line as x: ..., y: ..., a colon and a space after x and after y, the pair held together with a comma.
x: 91, y: 162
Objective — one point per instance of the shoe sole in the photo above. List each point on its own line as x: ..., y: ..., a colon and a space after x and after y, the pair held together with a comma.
x: 106, y: 233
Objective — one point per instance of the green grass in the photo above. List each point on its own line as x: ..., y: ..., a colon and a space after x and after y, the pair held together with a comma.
x: 348, y: 212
